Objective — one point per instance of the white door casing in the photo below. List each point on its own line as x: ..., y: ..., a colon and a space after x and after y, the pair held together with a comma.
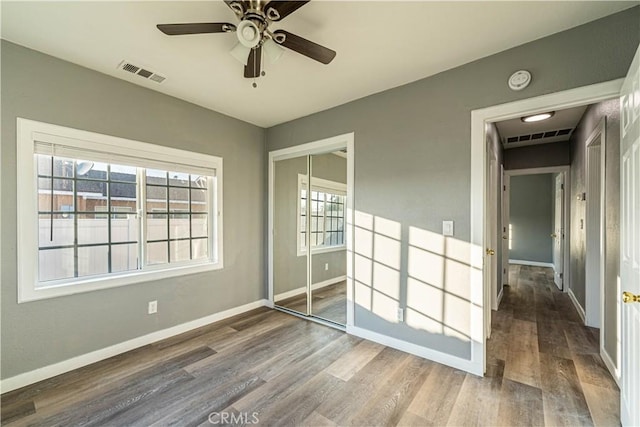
x: 630, y: 244
x: 558, y: 231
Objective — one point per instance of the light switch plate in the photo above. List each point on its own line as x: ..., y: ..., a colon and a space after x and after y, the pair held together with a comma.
x: 447, y: 228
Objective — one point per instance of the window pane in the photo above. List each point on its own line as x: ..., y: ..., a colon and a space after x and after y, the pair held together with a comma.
x: 155, y: 176
x: 90, y: 195
x: 199, y: 225
x: 157, y: 227
x: 156, y: 199
x: 124, y: 229
x: 303, y: 223
x: 179, y: 179
x: 92, y: 170
x: 62, y: 167
x: 93, y: 260
x: 200, y: 248
x: 62, y: 197
x: 55, y: 264
x: 63, y: 230
x: 198, y: 181
x: 178, y: 226
x: 157, y: 253
x: 123, y: 173
x: 123, y: 195
x: 198, y: 200
x: 44, y: 164
x: 124, y: 258
x: 180, y: 250
x: 92, y: 230
x: 178, y: 199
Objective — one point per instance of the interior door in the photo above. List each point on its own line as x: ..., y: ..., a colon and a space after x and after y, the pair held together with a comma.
x: 505, y: 228
x: 290, y: 263
x: 558, y: 231
x: 630, y: 242
x: 327, y: 211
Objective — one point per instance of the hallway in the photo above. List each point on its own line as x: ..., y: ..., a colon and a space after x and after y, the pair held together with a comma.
x: 553, y: 373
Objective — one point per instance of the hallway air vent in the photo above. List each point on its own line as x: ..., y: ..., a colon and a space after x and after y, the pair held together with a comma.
x: 540, y: 136
x: 140, y: 71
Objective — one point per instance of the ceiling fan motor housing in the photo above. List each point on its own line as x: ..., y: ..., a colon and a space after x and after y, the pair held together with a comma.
x: 249, y: 34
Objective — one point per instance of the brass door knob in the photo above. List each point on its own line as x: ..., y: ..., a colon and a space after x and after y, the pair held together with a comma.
x: 628, y: 297
x: 554, y: 235
x: 491, y: 252
x: 504, y: 237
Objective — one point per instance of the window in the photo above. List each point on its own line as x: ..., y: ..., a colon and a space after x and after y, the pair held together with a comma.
x: 327, y: 212
x: 110, y: 212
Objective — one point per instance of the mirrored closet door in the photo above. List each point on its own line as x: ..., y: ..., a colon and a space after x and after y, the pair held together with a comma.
x: 309, y: 235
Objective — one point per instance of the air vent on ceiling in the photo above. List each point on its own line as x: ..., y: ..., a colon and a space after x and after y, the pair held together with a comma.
x: 140, y: 71
x: 538, y: 136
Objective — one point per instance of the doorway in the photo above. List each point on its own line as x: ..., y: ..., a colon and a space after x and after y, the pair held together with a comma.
x: 536, y: 221
x: 310, y: 215
x: 479, y: 173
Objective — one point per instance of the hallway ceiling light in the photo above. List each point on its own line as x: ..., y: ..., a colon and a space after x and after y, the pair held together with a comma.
x: 537, y: 117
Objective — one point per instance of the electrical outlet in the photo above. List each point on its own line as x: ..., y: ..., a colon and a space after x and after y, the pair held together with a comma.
x: 153, y: 307
x: 326, y: 266
x: 400, y: 315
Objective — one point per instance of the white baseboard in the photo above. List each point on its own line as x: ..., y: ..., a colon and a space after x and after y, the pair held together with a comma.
x: 615, y: 373
x: 303, y: 289
x: 577, y: 305
x: 427, y: 353
x: 500, y: 295
x: 531, y: 263
x: 43, y: 373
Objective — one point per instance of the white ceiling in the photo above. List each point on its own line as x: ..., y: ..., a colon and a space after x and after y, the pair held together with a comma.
x: 562, y: 119
x: 380, y: 45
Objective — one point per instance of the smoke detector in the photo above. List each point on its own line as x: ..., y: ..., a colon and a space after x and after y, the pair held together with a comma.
x: 519, y: 80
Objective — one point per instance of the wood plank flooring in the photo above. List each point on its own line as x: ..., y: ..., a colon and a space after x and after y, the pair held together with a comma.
x: 267, y: 366
x: 328, y: 303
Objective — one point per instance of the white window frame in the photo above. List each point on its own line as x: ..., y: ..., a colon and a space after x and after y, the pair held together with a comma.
x: 321, y: 185
x: 28, y: 133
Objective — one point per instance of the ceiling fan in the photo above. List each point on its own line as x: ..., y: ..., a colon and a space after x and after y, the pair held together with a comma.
x: 254, y: 34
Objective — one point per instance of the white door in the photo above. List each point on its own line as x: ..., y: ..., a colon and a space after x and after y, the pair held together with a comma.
x: 504, y: 231
x: 558, y: 231
x: 630, y: 245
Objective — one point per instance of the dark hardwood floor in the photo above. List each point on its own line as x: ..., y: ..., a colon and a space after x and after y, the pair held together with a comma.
x: 277, y: 369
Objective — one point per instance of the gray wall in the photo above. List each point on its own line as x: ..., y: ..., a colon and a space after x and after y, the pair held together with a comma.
x: 43, y: 88
x: 412, y: 160
x: 538, y: 156
x: 611, y: 110
x: 289, y: 268
x: 531, y: 216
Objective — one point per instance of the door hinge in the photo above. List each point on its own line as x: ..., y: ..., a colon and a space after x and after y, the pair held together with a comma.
x: 562, y: 186
x: 561, y: 275
x: 504, y: 188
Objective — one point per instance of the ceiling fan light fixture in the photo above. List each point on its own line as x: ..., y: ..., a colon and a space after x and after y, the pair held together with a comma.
x: 272, y: 50
x: 241, y: 53
x: 248, y: 33
x: 537, y: 117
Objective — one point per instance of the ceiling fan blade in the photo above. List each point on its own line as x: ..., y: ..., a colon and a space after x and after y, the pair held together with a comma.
x: 304, y: 46
x: 196, y: 28
x: 277, y: 10
x: 252, y: 69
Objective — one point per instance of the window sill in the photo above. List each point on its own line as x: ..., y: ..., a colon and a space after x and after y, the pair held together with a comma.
x: 101, y: 282
x: 323, y: 250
